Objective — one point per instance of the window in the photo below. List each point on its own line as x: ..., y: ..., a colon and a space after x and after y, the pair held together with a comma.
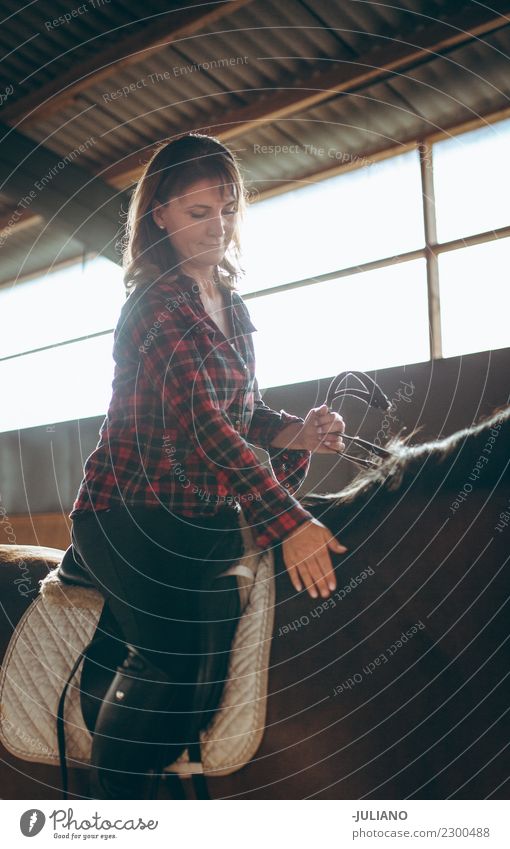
x: 475, y: 298
x: 66, y: 381
x: 57, y: 385
x: 371, y: 320
x: 62, y: 305
x: 366, y: 214
x: 472, y: 182
x: 307, y: 232
x: 369, y: 219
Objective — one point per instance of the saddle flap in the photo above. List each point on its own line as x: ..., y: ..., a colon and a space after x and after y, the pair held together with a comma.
x: 58, y: 625
x: 245, y: 581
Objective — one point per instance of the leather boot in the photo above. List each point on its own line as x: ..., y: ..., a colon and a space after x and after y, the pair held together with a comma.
x: 134, y: 732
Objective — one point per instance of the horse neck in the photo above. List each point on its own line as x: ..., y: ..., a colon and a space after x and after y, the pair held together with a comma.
x: 411, y: 558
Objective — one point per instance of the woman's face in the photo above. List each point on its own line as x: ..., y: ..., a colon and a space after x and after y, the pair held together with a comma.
x: 200, y: 223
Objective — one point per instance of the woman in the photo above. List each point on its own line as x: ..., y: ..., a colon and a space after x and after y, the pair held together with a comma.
x: 156, y: 518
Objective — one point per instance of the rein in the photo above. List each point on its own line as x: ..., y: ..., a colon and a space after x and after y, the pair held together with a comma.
x: 372, y: 395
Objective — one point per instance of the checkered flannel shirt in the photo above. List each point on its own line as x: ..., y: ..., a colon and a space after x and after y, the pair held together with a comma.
x: 185, y: 406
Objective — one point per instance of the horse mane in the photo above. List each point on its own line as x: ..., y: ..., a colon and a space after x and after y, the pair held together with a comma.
x: 407, y: 461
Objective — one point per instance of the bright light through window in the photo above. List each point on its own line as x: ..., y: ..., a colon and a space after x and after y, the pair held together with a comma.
x: 370, y: 320
x: 475, y: 298
x: 366, y: 321
x: 70, y: 382
x: 472, y: 182
x: 64, y: 304
x: 366, y: 214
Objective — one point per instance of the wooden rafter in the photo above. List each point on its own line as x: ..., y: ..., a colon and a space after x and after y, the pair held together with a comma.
x: 18, y: 219
x: 410, y: 49
x: 371, y: 155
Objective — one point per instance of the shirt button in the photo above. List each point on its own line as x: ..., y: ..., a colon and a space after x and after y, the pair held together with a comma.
x: 286, y: 485
x: 238, y: 423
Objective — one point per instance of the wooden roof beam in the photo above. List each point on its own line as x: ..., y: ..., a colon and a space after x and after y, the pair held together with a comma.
x: 408, y: 49
x: 16, y: 220
x: 38, y: 181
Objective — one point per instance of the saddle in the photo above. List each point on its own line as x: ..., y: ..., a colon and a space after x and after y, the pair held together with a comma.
x: 70, y: 621
x: 107, y: 649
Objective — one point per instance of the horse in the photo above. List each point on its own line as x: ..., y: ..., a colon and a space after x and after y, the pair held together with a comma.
x: 395, y: 686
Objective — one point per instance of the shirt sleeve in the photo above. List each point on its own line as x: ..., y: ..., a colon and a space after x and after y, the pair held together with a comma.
x: 290, y: 465
x: 175, y: 368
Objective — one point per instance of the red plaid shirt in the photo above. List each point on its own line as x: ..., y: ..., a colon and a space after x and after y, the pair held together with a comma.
x: 185, y: 404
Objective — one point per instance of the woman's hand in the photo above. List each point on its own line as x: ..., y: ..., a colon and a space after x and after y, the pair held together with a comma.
x: 307, y: 560
x: 322, y: 430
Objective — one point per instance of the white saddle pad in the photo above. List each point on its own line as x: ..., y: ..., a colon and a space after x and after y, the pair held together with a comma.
x: 61, y: 621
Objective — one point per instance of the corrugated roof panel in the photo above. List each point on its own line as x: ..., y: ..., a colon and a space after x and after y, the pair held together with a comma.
x: 263, y: 162
x: 296, y: 38
x: 359, y: 23
x: 56, y: 47
x: 196, y: 98
x: 369, y: 119
x: 470, y: 81
x: 327, y: 137
x: 410, y: 106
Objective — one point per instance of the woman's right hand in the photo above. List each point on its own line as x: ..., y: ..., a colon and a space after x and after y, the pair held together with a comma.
x: 307, y: 559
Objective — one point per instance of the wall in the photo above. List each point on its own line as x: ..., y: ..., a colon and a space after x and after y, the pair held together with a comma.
x: 41, y: 467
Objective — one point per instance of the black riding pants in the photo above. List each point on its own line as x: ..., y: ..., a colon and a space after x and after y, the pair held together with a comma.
x: 158, y: 573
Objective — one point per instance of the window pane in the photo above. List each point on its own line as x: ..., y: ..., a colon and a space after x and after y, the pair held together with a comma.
x: 62, y: 305
x: 373, y: 212
x: 472, y: 182
x: 70, y: 382
x: 371, y: 320
x: 475, y: 298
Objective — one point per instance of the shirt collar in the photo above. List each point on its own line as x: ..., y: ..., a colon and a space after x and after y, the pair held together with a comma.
x: 241, y: 318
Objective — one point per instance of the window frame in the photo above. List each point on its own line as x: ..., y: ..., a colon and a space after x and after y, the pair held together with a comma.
x: 432, y: 247
x: 430, y: 250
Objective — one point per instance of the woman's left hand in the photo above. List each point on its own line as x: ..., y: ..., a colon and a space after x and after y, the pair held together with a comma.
x: 322, y: 430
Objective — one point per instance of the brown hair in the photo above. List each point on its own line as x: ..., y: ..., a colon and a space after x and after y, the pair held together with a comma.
x: 149, y: 256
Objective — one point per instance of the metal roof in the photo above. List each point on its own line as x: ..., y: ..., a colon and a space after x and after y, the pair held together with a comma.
x: 223, y: 73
